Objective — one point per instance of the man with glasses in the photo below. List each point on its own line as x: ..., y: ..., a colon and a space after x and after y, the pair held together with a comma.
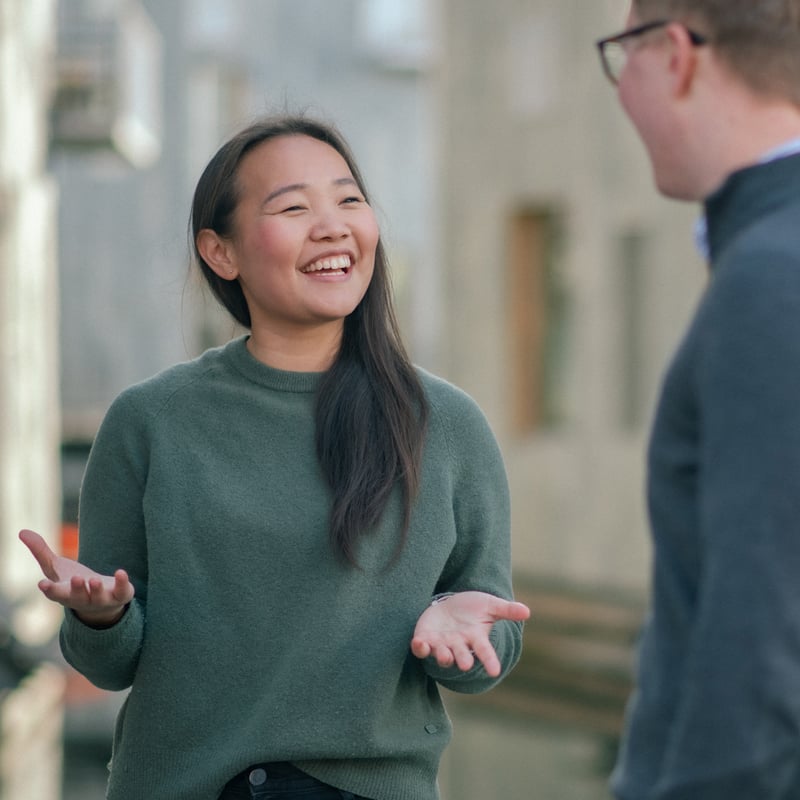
x: 713, y: 89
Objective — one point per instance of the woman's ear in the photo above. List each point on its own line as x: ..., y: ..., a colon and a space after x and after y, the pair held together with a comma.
x: 216, y: 252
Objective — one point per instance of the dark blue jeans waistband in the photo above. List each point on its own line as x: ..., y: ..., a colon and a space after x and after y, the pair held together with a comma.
x: 280, y: 779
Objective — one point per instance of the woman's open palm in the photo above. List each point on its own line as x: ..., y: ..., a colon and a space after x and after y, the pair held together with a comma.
x: 456, y: 631
x: 98, y: 600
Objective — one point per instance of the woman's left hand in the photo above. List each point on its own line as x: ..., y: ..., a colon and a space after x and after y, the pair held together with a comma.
x: 456, y: 630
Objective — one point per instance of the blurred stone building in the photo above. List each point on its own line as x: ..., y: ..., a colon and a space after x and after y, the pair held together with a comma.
x: 534, y: 263
x: 30, y: 688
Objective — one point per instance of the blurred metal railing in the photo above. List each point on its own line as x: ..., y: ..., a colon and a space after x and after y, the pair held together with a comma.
x: 578, y: 654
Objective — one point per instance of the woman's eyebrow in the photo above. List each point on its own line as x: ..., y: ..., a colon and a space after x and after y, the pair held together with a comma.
x: 294, y: 187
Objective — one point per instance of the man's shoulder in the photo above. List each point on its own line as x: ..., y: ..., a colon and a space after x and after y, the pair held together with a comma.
x: 766, y: 250
x: 755, y: 289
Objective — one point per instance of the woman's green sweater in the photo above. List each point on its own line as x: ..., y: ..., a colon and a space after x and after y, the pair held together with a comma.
x: 248, y: 640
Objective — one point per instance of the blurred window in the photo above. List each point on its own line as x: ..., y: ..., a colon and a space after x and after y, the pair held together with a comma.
x: 537, y: 320
x: 398, y: 35
x: 632, y: 258
x: 534, y: 64
x: 214, y: 25
x: 108, y: 80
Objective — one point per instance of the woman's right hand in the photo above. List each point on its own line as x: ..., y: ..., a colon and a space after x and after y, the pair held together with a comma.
x: 98, y: 600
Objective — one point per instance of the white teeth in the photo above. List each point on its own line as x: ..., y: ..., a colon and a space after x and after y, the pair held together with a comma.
x: 335, y: 263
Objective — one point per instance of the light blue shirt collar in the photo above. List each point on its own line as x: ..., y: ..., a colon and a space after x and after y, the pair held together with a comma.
x: 790, y: 148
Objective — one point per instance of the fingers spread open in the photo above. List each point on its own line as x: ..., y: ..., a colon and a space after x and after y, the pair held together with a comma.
x: 420, y: 648
x: 444, y: 656
x: 485, y: 653
x: 464, y: 657
x: 123, y: 588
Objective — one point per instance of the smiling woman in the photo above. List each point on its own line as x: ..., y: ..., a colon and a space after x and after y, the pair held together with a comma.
x: 301, y: 245
x: 300, y: 523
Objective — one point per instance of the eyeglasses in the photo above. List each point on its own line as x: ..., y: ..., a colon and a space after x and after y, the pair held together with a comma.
x: 614, y: 53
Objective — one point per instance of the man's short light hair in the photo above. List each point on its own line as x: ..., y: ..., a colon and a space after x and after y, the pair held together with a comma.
x: 759, y: 40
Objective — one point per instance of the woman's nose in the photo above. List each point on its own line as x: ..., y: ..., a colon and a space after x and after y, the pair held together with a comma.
x: 330, y: 225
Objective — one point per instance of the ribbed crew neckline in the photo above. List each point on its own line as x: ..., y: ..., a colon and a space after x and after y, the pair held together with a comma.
x: 236, y: 354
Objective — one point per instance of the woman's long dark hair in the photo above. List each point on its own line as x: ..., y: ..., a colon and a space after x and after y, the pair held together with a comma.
x: 371, y: 411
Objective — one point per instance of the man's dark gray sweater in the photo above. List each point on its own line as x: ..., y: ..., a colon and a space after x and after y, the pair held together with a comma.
x: 717, y: 712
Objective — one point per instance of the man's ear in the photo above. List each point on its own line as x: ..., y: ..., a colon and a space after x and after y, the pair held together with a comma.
x: 216, y: 252
x: 683, y: 60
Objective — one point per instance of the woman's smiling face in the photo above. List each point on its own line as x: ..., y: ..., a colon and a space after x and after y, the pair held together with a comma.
x: 304, y: 237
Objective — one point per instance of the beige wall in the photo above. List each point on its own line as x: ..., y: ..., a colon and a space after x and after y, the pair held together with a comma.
x: 530, y: 121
